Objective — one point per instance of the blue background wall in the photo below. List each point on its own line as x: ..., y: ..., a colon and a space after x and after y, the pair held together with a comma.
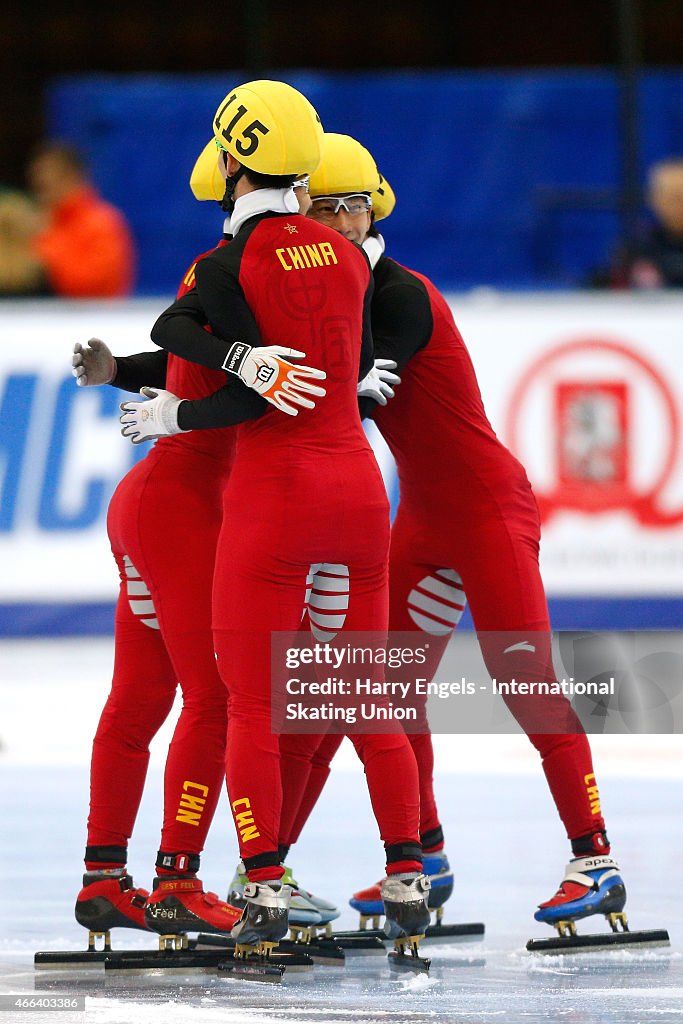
x: 476, y: 160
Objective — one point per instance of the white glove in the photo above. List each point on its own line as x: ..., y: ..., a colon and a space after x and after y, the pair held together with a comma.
x: 93, y: 364
x: 281, y: 383
x: 377, y: 383
x: 145, y: 421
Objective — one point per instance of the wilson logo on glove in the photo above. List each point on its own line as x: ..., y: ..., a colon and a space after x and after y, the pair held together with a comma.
x: 267, y: 371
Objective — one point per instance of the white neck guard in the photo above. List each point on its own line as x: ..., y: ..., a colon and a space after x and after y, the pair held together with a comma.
x: 374, y: 247
x: 262, y: 200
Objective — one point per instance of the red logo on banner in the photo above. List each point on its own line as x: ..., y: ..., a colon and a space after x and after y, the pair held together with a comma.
x: 608, y: 426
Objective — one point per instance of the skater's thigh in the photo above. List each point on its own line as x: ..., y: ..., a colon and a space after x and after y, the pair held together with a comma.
x: 138, y: 643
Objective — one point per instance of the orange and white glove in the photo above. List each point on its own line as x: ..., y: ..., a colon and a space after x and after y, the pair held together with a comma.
x: 267, y: 371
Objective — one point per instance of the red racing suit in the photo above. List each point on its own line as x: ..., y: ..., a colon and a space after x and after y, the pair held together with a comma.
x: 467, y: 523
x: 302, y: 490
x: 163, y: 524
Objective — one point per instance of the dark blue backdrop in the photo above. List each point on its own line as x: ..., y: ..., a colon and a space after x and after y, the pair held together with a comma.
x: 475, y: 160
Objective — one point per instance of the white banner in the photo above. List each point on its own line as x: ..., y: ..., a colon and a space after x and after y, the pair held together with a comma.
x: 586, y: 389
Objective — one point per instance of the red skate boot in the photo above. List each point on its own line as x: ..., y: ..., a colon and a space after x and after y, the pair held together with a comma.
x: 178, y: 905
x: 110, y: 902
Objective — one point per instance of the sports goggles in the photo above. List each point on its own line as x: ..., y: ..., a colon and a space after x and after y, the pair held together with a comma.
x: 329, y: 206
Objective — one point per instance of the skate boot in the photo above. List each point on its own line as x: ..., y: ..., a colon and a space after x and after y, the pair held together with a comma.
x: 434, y: 865
x: 264, y: 919
x: 303, y: 914
x: 328, y: 911
x: 406, y: 913
x: 109, y: 900
x: 591, y: 885
x: 179, y: 905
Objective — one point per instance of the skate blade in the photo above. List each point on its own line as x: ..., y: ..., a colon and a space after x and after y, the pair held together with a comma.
x: 321, y: 951
x: 596, y: 942
x: 70, y: 960
x: 471, y: 932
x: 366, y: 941
x: 355, y: 943
x: 408, y: 962
x: 264, y: 972
x: 198, y: 961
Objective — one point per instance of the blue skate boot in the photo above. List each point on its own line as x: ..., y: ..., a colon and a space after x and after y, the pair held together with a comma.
x: 591, y: 885
x: 437, y: 869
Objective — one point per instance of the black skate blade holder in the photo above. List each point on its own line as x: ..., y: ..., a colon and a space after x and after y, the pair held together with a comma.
x: 323, y: 951
x: 405, y: 955
x: 207, y: 961
x: 569, y: 941
x: 471, y: 931
x: 93, y: 956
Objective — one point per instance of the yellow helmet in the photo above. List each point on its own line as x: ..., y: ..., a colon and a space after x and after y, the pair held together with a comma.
x: 270, y: 128
x: 383, y: 199
x: 206, y: 180
x: 345, y: 167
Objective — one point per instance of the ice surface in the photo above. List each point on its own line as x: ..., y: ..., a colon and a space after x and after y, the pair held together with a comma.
x: 503, y: 837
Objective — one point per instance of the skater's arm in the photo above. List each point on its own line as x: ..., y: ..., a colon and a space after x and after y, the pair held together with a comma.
x: 181, y: 329
x: 140, y: 370
x: 402, y: 324
x: 93, y: 364
x: 235, y: 403
x: 161, y: 413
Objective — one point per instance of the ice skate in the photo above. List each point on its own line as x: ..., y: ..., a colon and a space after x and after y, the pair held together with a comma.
x: 406, y: 917
x: 437, y: 869
x: 303, y: 913
x: 328, y: 911
x: 435, y: 866
x: 179, y: 905
x: 264, y: 919
x: 109, y: 901
x: 591, y: 885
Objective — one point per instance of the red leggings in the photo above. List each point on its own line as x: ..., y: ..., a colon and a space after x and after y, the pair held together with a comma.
x: 163, y: 524
x: 500, y: 575
x: 262, y: 565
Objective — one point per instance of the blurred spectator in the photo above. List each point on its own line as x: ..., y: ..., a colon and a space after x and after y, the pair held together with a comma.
x: 21, y: 273
x: 655, y: 259
x: 84, y: 244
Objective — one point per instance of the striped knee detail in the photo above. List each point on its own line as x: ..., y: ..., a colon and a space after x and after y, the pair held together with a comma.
x: 327, y: 598
x: 139, y: 597
x: 437, y: 602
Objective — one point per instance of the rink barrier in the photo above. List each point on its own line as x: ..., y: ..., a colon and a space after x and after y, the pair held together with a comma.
x: 579, y: 613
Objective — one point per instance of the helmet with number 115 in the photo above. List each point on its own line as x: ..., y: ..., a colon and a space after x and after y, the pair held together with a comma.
x: 270, y: 128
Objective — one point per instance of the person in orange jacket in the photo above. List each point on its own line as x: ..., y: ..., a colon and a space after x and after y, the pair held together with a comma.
x: 85, y: 246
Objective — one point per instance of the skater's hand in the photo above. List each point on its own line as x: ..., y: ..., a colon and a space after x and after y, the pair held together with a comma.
x: 378, y: 383
x: 267, y: 371
x: 145, y: 421
x: 93, y: 364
